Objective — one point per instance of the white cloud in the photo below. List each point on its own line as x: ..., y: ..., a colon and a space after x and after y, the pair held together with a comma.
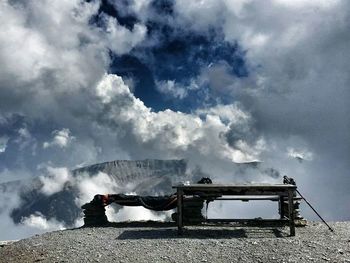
x: 3, y: 143
x: 39, y: 223
x: 176, y: 90
x: 231, y: 113
x: 33, y: 224
x: 170, y: 134
x: 60, y: 55
x: 139, y: 8
x: 307, y: 4
x: 110, y: 87
x: 88, y: 186
x: 24, y: 133
x: 136, y: 214
x: 120, y: 39
x: 200, y: 15
x: 25, y: 139
x: 301, y: 154
x: 172, y: 89
x: 54, y: 180
x: 51, y: 32
x: 61, y: 139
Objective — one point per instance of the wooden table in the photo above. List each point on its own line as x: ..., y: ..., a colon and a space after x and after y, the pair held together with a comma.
x: 245, y: 192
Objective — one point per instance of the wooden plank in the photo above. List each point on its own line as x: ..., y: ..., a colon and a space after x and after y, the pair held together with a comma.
x: 213, y: 193
x: 246, y: 220
x: 232, y: 186
x: 280, y: 206
x: 257, y: 198
x: 291, y: 212
x: 179, y: 211
x: 248, y: 198
x: 198, y: 189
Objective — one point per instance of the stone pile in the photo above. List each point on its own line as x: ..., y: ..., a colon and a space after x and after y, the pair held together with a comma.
x: 298, y: 219
x: 94, y: 214
x: 192, y: 211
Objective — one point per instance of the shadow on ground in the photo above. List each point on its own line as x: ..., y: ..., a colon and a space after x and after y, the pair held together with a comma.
x: 166, y: 230
x: 200, y: 233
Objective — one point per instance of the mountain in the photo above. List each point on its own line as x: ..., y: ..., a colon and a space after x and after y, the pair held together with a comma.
x: 147, y: 176
x: 143, y: 177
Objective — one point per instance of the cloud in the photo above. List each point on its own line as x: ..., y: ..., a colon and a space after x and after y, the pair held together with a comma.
x: 39, y: 222
x: 306, y: 4
x: 140, y: 8
x: 61, y: 55
x: 171, y: 88
x: 61, y: 139
x: 45, y: 49
x: 137, y: 214
x: 300, y: 154
x: 291, y: 102
x: 54, y: 180
x: 34, y: 224
x: 89, y: 187
x: 172, y: 134
x: 120, y: 39
x: 110, y: 87
x: 24, y: 133
x: 3, y: 143
x: 296, y: 90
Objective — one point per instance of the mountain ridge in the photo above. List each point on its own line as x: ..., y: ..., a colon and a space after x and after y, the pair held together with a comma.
x: 149, y: 176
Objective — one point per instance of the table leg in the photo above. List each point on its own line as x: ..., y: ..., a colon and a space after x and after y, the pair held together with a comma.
x: 281, y: 206
x: 179, y: 211
x: 291, y: 212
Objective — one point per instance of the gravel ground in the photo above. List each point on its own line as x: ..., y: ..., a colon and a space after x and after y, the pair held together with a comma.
x: 160, y: 243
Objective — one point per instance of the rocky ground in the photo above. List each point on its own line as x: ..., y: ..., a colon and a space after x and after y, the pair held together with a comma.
x: 150, y: 242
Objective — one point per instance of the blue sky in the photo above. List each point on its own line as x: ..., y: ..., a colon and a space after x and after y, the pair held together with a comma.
x: 217, y: 82
x: 178, y: 56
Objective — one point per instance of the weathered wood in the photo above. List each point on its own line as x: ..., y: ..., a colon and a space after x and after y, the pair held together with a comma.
x: 291, y: 212
x: 246, y: 220
x: 220, y: 187
x: 179, y: 210
x: 227, y: 189
x: 280, y: 207
x: 276, y: 192
x: 256, y: 198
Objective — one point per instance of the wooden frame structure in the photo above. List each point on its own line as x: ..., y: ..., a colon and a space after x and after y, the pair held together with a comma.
x: 280, y: 193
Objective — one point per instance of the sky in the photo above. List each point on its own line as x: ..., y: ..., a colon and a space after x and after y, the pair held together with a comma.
x: 216, y: 82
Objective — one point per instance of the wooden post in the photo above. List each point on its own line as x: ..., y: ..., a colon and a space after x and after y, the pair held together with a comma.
x: 179, y: 211
x: 291, y: 211
x: 280, y: 206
